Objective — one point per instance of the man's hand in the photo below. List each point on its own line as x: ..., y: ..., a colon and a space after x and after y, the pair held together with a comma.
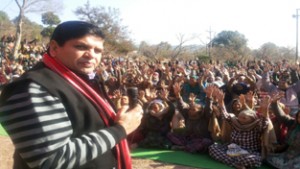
x: 130, y: 119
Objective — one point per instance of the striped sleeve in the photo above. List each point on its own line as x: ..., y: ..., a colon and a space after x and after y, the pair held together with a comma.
x: 41, y: 131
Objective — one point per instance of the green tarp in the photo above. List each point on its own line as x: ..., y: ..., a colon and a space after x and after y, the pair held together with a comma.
x: 175, y: 157
x: 203, y: 161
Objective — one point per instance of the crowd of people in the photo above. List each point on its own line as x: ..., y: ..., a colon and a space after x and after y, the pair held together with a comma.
x: 242, y: 114
x: 29, y: 54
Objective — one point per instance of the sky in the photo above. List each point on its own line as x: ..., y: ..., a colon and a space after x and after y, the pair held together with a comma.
x: 155, y: 21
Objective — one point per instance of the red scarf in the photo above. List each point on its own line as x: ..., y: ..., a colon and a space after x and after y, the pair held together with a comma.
x: 105, y: 110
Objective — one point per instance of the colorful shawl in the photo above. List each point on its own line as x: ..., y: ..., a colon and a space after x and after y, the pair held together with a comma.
x: 105, y: 110
x: 245, y: 127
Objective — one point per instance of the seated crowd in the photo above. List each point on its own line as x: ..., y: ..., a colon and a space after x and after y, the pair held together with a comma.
x: 242, y: 115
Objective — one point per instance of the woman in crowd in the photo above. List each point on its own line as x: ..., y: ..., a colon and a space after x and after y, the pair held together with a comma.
x: 195, y: 137
x: 290, y: 157
x: 282, y: 82
x: 234, y: 109
x: 244, y: 150
x: 156, y: 122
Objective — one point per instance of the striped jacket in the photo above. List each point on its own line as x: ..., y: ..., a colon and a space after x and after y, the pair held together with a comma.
x: 52, y: 125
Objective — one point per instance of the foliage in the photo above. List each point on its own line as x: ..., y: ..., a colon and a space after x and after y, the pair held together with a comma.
x: 4, y: 17
x: 268, y: 50
x: 161, y: 50
x: 230, y: 38
x: 203, y: 58
x: 31, y: 30
x: 146, y: 50
x: 271, y: 51
x: 230, y: 44
x: 6, y: 26
x: 110, y: 23
x: 27, y: 6
x: 49, y: 18
x: 47, y: 31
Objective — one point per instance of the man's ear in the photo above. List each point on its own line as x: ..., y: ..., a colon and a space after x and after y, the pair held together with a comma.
x: 53, y: 47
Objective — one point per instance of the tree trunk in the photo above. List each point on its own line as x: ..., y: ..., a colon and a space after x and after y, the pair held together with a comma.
x: 18, y: 36
x: 19, y: 29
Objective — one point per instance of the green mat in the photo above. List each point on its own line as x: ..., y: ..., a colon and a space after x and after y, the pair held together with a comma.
x: 2, y: 131
x: 203, y: 161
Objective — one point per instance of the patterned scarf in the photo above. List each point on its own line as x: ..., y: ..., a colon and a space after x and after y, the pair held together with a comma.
x: 105, y: 110
x: 246, y: 127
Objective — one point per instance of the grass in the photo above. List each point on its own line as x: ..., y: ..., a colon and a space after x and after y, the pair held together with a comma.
x: 2, y: 131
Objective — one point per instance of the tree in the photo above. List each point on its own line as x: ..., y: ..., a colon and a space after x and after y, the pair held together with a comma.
x: 6, y: 25
x: 109, y: 21
x: 270, y: 51
x: 3, y: 16
x: 179, y: 49
x: 31, y: 30
x: 230, y: 44
x: 27, y: 6
x: 230, y: 39
x: 47, y: 31
x: 49, y: 18
x: 146, y: 50
x: 163, y: 50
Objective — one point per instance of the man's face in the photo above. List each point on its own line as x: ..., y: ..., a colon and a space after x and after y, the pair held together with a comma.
x: 283, y: 85
x: 81, y: 55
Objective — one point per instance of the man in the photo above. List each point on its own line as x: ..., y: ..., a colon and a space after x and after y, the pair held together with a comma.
x: 58, y: 115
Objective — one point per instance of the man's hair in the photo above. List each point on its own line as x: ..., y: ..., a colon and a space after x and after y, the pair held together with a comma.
x: 73, y: 30
x: 286, y: 76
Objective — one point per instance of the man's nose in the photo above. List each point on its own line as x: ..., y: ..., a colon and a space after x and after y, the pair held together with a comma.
x: 90, y: 53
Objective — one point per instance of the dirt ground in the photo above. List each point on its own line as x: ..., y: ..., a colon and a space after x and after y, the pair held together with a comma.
x: 6, y: 152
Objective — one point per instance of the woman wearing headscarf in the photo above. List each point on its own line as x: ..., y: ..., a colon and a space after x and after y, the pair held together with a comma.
x: 156, y: 122
x: 244, y: 149
x: 234, y: 109
x: 195, y: 136
x: 290, y: 158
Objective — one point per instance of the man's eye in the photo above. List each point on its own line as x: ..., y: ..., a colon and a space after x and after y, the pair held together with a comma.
x: 80, y: 47
x: 98, y: 51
